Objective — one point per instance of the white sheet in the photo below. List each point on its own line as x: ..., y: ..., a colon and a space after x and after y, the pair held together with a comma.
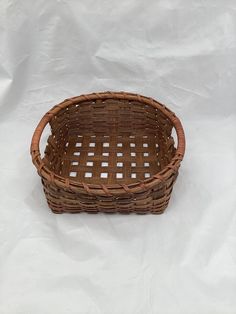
x: 181, y: 52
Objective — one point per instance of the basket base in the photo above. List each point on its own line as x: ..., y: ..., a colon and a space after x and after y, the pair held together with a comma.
x: 112, y: 159
x: 145, y: 212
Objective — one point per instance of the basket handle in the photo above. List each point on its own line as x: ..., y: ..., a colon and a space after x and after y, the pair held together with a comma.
x: 34, y: 148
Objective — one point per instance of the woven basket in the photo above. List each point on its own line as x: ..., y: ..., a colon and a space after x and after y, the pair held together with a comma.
x: 109, y: 152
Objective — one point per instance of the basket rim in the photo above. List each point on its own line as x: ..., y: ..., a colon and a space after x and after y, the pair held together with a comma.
x: 107, y: 189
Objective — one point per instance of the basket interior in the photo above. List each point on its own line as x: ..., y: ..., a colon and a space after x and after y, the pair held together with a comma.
x: 109, y: 141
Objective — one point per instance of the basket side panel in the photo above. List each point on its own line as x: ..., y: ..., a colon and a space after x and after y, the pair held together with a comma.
x: 161, y: 194
x: 148, y: 201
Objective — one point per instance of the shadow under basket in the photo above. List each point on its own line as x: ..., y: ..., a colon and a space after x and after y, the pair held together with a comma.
x: 109, y: 152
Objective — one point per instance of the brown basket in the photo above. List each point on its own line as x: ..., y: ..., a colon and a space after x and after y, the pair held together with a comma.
x: 109, y: 152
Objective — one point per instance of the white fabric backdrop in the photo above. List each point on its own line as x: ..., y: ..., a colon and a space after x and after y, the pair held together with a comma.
x: 181, y: 52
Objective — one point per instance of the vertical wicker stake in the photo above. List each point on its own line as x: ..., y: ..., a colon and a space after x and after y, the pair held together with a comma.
x: 109, y: 152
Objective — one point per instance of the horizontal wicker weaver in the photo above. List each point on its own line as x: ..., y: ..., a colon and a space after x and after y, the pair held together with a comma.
x: 109, y: 152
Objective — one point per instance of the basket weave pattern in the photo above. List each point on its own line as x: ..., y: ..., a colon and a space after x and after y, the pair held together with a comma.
x: 109, y: 152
